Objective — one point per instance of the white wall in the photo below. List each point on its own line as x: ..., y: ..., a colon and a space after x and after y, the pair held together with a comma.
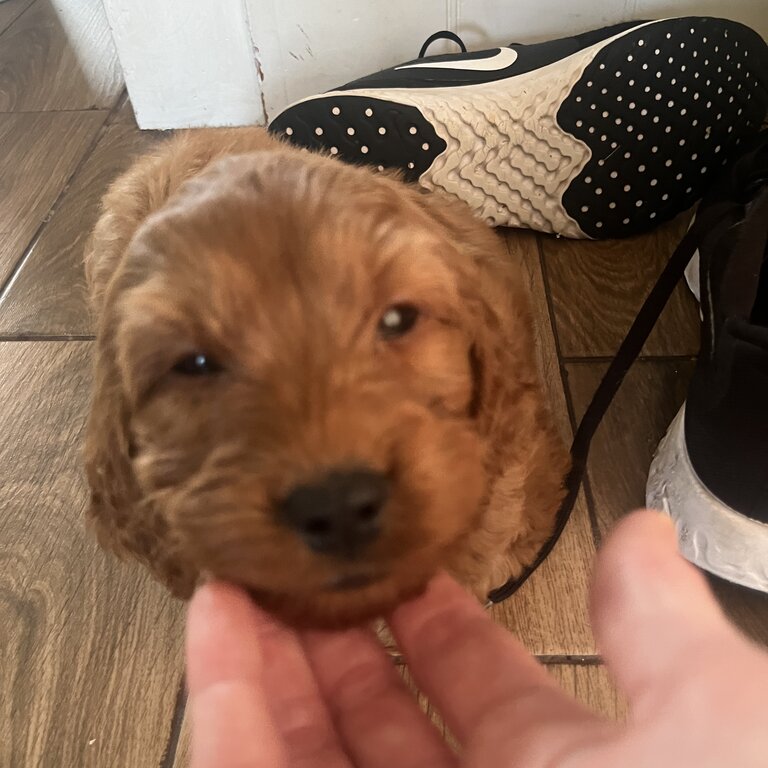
x: 187, y: 63
x: 230, y: 62
x: 310, y: 46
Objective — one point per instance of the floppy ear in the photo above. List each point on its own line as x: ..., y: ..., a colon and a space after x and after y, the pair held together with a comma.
x: 496, y: 313
x: 124, y: 520
x: 508, y: 404
x: 526, y: 456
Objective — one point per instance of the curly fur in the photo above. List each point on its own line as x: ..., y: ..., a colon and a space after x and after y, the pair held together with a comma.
x: 278, y: 263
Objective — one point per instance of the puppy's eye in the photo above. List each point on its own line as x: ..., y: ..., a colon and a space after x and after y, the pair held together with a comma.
x: 398, y: 320
x: 198, y: 364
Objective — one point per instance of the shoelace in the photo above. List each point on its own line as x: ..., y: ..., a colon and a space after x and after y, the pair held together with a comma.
x: 746, y: 175
x: 443, y: 34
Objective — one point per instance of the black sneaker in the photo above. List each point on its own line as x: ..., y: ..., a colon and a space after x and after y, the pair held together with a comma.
x: 710, y: 472
x: 605, y: 134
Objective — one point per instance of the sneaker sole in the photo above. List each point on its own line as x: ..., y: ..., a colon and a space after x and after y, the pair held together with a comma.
x: 711, y: 534
x: 607, y: 142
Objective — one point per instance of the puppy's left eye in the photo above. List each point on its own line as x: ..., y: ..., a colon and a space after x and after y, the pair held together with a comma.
x: 197, y: 364
x: 398, y: 320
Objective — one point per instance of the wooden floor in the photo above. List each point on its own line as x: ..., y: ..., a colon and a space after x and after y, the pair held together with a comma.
x: 90, y: 650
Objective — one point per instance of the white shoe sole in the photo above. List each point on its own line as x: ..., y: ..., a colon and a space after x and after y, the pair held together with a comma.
x: 710, y: 534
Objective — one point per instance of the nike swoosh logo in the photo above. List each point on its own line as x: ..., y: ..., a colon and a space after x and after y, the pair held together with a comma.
x: 506, y: 57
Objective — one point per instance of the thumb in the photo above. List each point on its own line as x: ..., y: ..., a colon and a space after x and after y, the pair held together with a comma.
x: 653, y: 614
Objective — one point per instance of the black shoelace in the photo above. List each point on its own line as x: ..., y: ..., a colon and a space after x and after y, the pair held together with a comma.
x: 744, y: 177
x: 443, y: 34
x: 627, y: 354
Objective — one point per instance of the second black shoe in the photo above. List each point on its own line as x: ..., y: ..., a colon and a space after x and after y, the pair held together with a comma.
x: 710, y: 473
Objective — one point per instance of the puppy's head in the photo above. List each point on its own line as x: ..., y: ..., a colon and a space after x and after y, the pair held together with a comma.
x: 288, y: 383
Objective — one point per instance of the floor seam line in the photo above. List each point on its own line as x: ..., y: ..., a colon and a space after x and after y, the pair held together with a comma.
x: 64, y: 337
x: 46, y: 220
x: 596, y: 359
x: 168, y: 758
x: 11, y: 25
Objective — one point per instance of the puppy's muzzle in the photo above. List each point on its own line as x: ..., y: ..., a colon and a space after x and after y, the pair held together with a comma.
x: 338, y: 514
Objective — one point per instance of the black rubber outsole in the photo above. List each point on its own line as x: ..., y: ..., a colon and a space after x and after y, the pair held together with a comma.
x: 364, y: 131
x: 662, y: 110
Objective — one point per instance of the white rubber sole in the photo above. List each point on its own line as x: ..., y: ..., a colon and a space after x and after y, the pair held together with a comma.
x: 692, y: 277
x: 711, y: 534
x: 511, y: 169
x: 692, y: 273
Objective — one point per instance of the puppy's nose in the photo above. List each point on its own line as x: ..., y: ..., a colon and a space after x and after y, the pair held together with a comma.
x: 339, y: 514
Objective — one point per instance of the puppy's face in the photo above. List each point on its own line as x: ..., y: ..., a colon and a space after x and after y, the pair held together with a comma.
x: 292, y: 343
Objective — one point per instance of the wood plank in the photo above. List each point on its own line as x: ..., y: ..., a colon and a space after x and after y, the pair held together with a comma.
x: 40, y: 153
x: 48, y: 296
x: 90, y: 652
x: 426, y: 706
x: 10, y: 11
x: 622, y: 451
x: 59, y: 57
x: 549, y: 613
x: 597, y: 288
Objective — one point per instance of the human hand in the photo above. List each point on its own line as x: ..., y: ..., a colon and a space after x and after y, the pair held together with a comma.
x: 263, y: 695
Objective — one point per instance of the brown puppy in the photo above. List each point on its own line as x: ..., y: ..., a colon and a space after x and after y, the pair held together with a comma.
x: 312, y: 380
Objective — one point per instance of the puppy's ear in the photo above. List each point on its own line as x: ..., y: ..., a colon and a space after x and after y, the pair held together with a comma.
x: 497, y: 316
x: 496, y: 313
x: 124, y: 521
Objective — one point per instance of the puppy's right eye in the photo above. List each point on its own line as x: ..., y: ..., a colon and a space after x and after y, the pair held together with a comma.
x: 198, y: 364
x: 398, y: 320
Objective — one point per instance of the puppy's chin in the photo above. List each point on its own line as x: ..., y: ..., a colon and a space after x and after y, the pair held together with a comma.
x: 351, y: 601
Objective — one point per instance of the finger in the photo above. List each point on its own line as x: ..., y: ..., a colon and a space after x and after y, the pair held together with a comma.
x: 653, y: 613
x: 231, y: 724
x: 375, y: 714
x: 476, y: 674
x: 295, y: 700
